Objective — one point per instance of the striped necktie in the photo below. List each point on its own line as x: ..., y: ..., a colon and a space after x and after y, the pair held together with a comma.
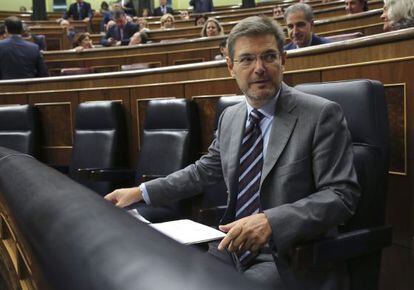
x: 251, y: 163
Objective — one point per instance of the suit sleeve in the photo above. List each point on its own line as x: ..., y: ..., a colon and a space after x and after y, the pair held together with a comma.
x: 337, y: 190
x: 104, y: 39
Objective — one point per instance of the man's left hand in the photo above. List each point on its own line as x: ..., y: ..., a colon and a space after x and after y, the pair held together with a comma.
x: 249, y: 233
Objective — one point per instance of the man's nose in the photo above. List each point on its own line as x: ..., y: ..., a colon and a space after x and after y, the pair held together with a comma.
x: 259, y: 66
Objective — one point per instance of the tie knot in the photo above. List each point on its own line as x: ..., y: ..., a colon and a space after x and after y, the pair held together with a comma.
x: 256, y: 116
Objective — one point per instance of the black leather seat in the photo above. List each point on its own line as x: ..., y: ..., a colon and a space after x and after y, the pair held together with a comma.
x: 214, y: 199
x: 364, y: 235
x: 100, y: 141
x: 20, y: 129
x: 169, y: 142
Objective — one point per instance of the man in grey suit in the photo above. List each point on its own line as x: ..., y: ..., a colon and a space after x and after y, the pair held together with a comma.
x: 19, y: 58
x: 306, y: 183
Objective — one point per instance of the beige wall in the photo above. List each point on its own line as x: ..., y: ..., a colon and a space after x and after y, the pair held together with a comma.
x: 14, y: 5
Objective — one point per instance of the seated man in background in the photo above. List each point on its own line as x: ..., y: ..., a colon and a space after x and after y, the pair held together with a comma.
x: 356, y: 6
x: 278, y: 11
x: 299, y: 21
x: 163, y: 9
x: 29, y: 36
x: 19, y: 58
x: 138, y: 38
x: 398, y: 14
x: 79, y: 11
x: 287, y: 161
x: 121, y: 32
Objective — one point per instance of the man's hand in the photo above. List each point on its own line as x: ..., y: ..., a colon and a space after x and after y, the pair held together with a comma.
x: 124, y: 196
x: 249, y: 233
x: 112, y: 41
x: 86, y: 19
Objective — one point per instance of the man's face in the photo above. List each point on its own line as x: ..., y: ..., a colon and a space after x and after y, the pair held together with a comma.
x: 299, y: 29
x: 79, y: 1
x: 257, y: 67
x: 354, y: 6
x: 163, y: 2
x: 121, y: 20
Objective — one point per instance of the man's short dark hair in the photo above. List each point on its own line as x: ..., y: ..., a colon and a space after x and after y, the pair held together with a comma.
x: 14, y: 25
x: 252, y: 26
x: 300, y: 7
x: 118, y: 14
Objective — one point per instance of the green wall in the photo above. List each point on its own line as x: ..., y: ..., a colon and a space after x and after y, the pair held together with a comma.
x: 14, y: 5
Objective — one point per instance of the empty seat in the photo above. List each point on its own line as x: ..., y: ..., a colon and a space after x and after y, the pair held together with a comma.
x: 100, y: 141
x: 20, y: 129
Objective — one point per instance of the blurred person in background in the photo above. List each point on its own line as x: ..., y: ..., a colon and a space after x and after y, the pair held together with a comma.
x: 167, y: 21
x: 82, y: 41
x: 356, y: 6
x: 199, y: 20
x: 212, y: 28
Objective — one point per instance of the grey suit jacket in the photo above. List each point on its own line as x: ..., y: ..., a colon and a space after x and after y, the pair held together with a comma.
x: 308, y: 183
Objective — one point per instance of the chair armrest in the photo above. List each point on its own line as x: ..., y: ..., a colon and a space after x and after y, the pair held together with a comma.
x: 107, y: 174
x: 343, y: 247
x: 211, y: 216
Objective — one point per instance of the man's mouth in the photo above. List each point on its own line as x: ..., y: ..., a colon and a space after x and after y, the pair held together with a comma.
x: 259, y: 82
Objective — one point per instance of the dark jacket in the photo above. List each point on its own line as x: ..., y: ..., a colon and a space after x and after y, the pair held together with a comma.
x: 114, y: 32
x: 20, y: 59
x: 158, y: 11
x: 201, y: 6
x: 316, y: 40
x: 86, y: 11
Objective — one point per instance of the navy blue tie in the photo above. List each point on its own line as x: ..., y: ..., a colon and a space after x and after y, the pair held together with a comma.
x: 250, y: 171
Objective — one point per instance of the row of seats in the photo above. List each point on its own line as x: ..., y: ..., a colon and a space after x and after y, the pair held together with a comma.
x: 170, y: 137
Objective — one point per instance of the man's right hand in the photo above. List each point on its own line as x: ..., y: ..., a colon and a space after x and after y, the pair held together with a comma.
x: 124, y: 196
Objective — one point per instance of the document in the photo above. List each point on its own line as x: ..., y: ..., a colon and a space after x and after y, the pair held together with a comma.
x: 184, y: 231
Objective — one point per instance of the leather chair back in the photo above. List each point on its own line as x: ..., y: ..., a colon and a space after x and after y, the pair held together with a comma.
x: 100, y: 141
x: 20, y: 129
x: 170, y: 140
x: 214, y: 199
x: 364, y: 107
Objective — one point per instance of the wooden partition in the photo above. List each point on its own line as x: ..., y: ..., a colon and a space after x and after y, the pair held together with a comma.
x: 323, y: 25
x: 385, y: 46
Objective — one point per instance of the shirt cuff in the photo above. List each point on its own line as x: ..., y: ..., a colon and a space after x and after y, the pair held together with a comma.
x: 144, y: 193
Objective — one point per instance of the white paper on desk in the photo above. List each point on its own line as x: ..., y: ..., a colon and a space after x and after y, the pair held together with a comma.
x: 188, y: 232
x: 134, y: 212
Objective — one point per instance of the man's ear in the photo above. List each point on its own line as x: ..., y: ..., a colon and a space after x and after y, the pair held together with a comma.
x: 230, y: 65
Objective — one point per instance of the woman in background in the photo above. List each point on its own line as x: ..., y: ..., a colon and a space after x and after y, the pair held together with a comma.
x: 82, y: 41
x: 212, y: 28
x: 398, y: 14
x: 167, y: 21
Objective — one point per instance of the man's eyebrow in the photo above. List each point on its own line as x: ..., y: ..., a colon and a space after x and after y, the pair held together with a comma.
x: 270, y: 50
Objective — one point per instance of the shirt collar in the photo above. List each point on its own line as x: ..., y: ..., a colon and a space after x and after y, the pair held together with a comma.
x: 268, y: 109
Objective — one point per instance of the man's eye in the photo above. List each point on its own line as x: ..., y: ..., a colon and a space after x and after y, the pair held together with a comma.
x: 247, y: 59
x: 269, y: 57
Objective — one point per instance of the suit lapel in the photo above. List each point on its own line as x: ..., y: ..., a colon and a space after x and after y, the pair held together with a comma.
x: 236, y: 135
x: 282, y: 127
